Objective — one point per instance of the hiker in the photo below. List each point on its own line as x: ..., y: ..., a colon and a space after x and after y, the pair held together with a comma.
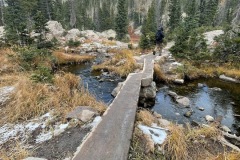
x: 159, y: 41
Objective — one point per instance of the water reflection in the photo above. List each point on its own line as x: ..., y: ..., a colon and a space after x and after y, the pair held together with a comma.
x: 216, y: 103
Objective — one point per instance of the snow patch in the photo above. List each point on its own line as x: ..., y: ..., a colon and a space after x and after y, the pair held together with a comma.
x: 157, y: 134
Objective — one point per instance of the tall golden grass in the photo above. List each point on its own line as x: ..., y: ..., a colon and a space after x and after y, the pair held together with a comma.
x: 122, y: 70
x: 6, y: 65
x: 63, y: 58
x: 145, y: 117
x: 34, y: 99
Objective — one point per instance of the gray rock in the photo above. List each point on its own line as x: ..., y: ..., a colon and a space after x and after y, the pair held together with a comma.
x: 209, y: 36
x: 5, y: 93
x: 172, y: 94
x: 55, y: 30
x: 200, y: 85
x: 209, y: 118
x: 184, y: 101
x: 101, y: 80
x: 229, y: 79
x: 148, y: 92
x: 82, y: 113
x: 73, y: 34
x: 34, y: 158
x: 120, y: 63
x: 216, y: 89
x: 177, y: 114
x: 147, y: 81
x: 188, y: 114
x: 226, y: 129
x: 233, y: 103
x: 117, y: 89
x: 178, y: 81
x: 200, y: 108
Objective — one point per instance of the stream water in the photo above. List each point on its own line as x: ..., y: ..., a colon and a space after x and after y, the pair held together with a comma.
x: 98, y: 84
x: 217, y: 104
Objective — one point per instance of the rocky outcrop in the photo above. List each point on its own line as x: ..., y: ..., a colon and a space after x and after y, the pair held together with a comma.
x: 55, y: 30
x: 108, y: 34
x: 209, y: 36
x: 149, y: 91
x: 89, y: 34
x: 73, y: 34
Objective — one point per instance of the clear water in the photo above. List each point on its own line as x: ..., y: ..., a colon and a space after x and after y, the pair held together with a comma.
x: 216, y: 103
x: 101, y: 90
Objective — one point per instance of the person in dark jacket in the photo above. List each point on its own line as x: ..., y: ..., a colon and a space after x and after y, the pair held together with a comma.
x: 159, y: 41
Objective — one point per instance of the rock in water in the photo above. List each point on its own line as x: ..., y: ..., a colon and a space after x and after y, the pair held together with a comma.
x: 117, y: 89
x: 188, y: 114
x: 184, y: 101
x: 226, y: 129
x: 209, y: 118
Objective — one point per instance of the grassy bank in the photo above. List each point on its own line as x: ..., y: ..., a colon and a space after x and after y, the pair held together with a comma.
x: 182, y: 143
x: 121, y: 64
x: 63, y: 58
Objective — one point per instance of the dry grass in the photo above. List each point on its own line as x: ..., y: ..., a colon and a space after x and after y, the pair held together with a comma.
x: 176, y: 144
x: 6, y: 65
x: 159, y: 75
x: 145, y: 117
x: 205, y: 131
x: 63, y: 58
x: 34, y: 99
x: 227, y: 70
x: 228, y: 156
x: 121, y: 64
x: 138, y: 148
x: 15, y: 152
x: 109, y: 43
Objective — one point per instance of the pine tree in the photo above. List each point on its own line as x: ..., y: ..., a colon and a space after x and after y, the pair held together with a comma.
x: 174, y: 14
x: 40, y: 25
x: 149, y: 29
x: 211, y: 10
x: 121, y: 20
x: 15, y: 23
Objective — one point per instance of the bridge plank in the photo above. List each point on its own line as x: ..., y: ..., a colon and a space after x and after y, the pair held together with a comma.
x: 110, y: 140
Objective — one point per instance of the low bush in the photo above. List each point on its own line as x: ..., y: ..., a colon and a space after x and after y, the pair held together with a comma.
x: 72, y: 43
x: 42, y: 74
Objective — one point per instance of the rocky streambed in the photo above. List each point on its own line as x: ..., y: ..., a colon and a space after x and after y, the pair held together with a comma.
x: 199, y: 100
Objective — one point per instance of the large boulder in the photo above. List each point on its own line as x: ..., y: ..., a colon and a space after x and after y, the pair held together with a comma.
x: 90, y: 34
x: 209, y: 36
x: 73, y: 34
x: 55, y: 30
x: 108, y: 34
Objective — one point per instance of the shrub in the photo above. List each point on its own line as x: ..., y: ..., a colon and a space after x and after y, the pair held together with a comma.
x: 31, y: 58
x: 43, y: 75
x: 72, y: 43
x: 45, y: 44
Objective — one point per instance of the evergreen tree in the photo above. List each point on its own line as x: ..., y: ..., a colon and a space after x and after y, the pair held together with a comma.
x: 211, y: 10
x: 15, y: 23
x: 202, y: 12
x: 149, y: 29
x: 40, y: 25
x: 121, y: 20
x: 174, y: 14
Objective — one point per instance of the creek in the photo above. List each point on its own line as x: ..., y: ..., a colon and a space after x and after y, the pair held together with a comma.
x: 218, y: 104
x: 100, y: 85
